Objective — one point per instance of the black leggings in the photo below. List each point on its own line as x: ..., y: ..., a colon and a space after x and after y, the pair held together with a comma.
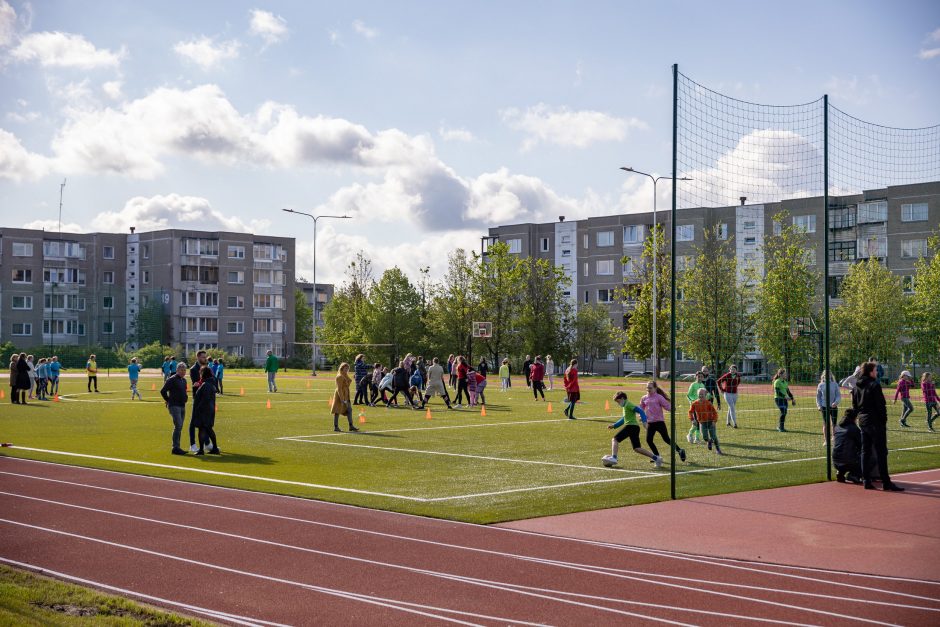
x: 461, y: 390
x: 652, y: 428
x: 538, y: 388
x: 218, y: 384
x: 207, y: 434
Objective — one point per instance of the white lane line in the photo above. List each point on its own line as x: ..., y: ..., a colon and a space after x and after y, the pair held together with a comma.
x: 469, y: 456
x: 224, y: 474
x: 728, y: 562
x: 361, y: 597
x: 217, y: 614
x: 598, y: 569
x: 472, y: 426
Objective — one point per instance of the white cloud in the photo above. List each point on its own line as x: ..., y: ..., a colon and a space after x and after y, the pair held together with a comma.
x: 7, y: 24
x: 53, y: 225
x: 112, y: 89
x: 929, y: 53
x: 336, y: 37
x: 360, y: 27
x: 66, y: 50
x: 272, y: 28
x: 22, y: 118
x: 17, y: 163
x: 455, y: 134
x: 172, y: 211
x: 564, y: 127
x: 206, y: 53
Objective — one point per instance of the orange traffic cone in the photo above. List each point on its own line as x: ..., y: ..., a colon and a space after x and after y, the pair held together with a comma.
x: 362, y: 418
x: 483, y: 410
x: 427, y: 414
x: 607, y: 406
x: 241, y: 392
x: 153, y: 387
x: 268, y: 405
x: 56, y: 399
x: 549, y: 408
x: 2, y: 394
x: 308, y: 385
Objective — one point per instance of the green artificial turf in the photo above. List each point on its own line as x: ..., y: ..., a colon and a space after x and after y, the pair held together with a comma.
x: 518, y: 461
x: 30, y: 600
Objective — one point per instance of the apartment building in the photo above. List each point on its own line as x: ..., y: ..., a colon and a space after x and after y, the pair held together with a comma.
x: 317, y: 296
x: 200, y: 289
x: 603, y: 253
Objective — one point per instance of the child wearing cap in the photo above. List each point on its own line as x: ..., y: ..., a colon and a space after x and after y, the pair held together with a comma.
x: 904, y: 392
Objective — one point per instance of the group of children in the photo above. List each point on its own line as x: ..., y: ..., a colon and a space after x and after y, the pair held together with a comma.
x: 928, y: 391
x: 33, y: 380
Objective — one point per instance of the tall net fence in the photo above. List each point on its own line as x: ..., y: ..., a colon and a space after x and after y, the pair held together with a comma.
x: 757, y: 255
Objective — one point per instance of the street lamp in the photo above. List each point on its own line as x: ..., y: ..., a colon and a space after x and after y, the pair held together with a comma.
x: 655, y: 304
x: 314, y: 333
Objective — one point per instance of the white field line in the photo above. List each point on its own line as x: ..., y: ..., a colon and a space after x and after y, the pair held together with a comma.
x: 732, y: 563
x: 385, y: 602
x: 472, y: 426
x: 477, y: 581
x: 217, y: 614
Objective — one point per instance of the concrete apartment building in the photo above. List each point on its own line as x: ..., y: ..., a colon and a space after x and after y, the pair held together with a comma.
x: 233, y: 291
x: 317, y: 296
x: 892, y: 224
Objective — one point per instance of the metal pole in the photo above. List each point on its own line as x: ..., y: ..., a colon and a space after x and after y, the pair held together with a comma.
x: 826, y: 279
x: 672, y: 311
x: 313, y: 336
x: 655, y: 292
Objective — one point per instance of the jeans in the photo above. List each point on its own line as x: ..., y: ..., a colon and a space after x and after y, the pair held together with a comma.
x: 272, y: 386
x: 709, y: 432
x: 732, y: 399
x: 177, y: 413
x: 875, y: 443
x: 908, y: 408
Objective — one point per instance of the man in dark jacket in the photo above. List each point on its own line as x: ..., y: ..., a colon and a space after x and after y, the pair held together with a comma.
x: 400, y: 377
x: 202, y: 360
x: 847, y: 451
x: 526, y: 366
x: 711, y: 386
x: 174, y: 394
x: 869, y: 401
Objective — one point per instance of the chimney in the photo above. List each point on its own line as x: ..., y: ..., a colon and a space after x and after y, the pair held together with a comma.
x: 561, y: 218
x: 743, y: 200
x: 132, y: 229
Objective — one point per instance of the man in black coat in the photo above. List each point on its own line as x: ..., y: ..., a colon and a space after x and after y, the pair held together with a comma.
x: 174, y: 394
x: 526, y: 366
x: 869, y: 401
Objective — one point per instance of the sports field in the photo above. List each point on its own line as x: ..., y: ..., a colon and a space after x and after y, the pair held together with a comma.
x: 517, y: 461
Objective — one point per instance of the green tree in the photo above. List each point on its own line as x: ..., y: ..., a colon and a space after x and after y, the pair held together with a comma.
x: 544, y: 309
x: 344, y: 316
x: 499, y: 281
x: 393, y: 314
x: 594, y: 333
x: 923, y: 307
x: 303, y: 326
x: 870, y: 320
x: 150, y: 323
x: 638, y: 301
x: 452, y: 305
x: 716, y: 310
x: 787, y: 291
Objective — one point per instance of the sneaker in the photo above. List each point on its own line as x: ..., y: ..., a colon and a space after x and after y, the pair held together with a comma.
x: 608, y: 461
x: 658, y: 461
x: 869, y: 485
x: 337, y: 430
x: 215, y: 451
x: 193, y: 448
x: 903, y: 422
x: 709, y: 445
x: 178, y: 451
x: 718, y: 451
x: 695, y: 440
x: 351, y: 428
x: 200, y: 452
x: 682, y: 454
x: 781, y: 430
x: 930, y: 426
x: 840, y: 477
x: 892, y: 487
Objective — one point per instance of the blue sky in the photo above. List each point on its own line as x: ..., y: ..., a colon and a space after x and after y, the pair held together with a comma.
x: 426, y: 121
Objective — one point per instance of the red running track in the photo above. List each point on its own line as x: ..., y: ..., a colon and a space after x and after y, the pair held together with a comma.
x: 255, y: 559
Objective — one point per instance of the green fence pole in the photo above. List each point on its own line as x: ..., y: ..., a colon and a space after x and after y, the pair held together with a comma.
x: 826, y: 425
x: 672, y: 310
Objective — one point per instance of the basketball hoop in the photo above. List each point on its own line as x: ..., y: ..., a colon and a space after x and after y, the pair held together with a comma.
x: 483, y: 329
x: 795, y: 329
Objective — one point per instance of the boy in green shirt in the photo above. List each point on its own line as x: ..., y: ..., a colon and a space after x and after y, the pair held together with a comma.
x: 270, y: 366
x: 631, y: 429
x: 692, y: 395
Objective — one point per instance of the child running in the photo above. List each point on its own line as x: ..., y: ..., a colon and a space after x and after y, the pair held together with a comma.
x: 705, y: 414
x: 929, y: 390
x: 653, y: 403
x: 692, y: 395
x: 133, y: 373
x: 905, y: 381
x: 630, y: 430
x: 573, y: 391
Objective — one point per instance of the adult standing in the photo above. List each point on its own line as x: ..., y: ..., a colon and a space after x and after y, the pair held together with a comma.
x: 204, y: 411
x: 340, y: 403
x: 32, y: 374
x: 435, y: 384
x: 526, y: 365
x: 175, y: 396
x: 711, y: 386
x: 14, y: 395
x: 360, y: 375
x: 54, y: 369
x: 483, y: 367
x: 452, y: 371
x: 22, y: 379
x: 572, y: 389
x: 462, y: 369
x: 423, y: 371
x: 91, y: 369
x: 550, y: 372
x: 538, y: 374
x: 869, y: 401
x: 195, y: 375
x: 828, y: 406
x: 781, y: 394
x: 728, y: 384
x: 271, y: 364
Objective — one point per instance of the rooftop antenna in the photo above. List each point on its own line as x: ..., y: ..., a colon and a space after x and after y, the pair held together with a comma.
x: 61, y: 191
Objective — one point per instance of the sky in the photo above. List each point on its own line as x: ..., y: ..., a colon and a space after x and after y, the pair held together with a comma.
x: 426, y: 122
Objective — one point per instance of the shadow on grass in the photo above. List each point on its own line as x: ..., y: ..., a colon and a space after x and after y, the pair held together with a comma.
x: 236, y: 458
x: 374, y: 435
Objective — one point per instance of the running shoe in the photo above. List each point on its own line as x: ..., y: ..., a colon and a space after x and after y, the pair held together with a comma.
x: 659, y: 461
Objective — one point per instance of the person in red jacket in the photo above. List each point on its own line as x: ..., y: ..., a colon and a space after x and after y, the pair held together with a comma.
x: 462, y: 389
x: 537, y: 375
x: 571, y: 389
x: 728, y: 383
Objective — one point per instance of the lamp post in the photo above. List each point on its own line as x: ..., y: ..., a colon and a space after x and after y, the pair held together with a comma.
x: 314, y: 330
x: 655, y: 304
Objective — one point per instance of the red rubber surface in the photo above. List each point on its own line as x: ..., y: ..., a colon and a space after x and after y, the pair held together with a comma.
x: 262, y: 557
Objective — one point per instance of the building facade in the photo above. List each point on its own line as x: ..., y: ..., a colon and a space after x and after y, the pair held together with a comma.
x: 317, y: 296
x: 233, y: 291
x: 604, y: 253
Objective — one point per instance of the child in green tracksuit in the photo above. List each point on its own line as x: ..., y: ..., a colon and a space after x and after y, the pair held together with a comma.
x: 692, y: 395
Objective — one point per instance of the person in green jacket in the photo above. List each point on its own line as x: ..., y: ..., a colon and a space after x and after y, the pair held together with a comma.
x: 781, y: 394
x: 270, y: 366
x: 692, y: 395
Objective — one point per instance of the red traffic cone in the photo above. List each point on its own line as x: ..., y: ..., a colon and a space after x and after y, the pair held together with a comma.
x: 56, y: 399
x: 268, y: 404
x: 483, y: 410
x: 549, y: 407
x: 241, y: 392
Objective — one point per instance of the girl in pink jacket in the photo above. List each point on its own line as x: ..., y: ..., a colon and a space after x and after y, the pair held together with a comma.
x: 905, y: 381
x: 654, y: 404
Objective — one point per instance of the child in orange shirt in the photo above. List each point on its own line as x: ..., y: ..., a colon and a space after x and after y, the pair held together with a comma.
x: 703, y: 412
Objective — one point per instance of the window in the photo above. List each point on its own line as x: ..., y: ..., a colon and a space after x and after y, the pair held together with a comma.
x: 870, y: 212
x: 605, y: 238
x: 208, y: 299
x: 805, y: 224
x: 565, y: 239
x: 587, y: 269
x: 916, y: 212
x: 268, y: 325
x: 107, y: 327
x: 685, y: 232
x: 586, y: 240
x: 107, y: 302
x: 843, y: 218
x: 605, y: 267
x: 872, y: 247
x: 778, y: 227
x: 633, y: 234
x: 723, y: 231
x: 264, y: 277
x: 63, y: 249
x: 629, y: 266
x: 750, y: 239
x: 750, y: 225
x: 205, y: 247
x: 268, y: 301
x: 566, y: 252
x: 107, y: 252
x: 22, y: 275
x: 841, y: 251
x: 605, y: 296
x: 56, y: 327
x: 108, y: 277
x: 236, y: 252
x: 235, y: 327
x: 913, y: 248
x: 146, y: 277
x: 22, y: 249
x: 261, y: 350
x: 907, y: 284
x: 684, y: 262
x: 22, y: 328
x: 146, y: 251
x: 834, y: 285
x: 587, y: 297
x: 236, y: 302
x: 201, y: 325
x: 235, y: 350
x: 236, y: 277
x: 21, y: 302
x: 543, y: 244
x: 515, y: 246
x: 74, y: 327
